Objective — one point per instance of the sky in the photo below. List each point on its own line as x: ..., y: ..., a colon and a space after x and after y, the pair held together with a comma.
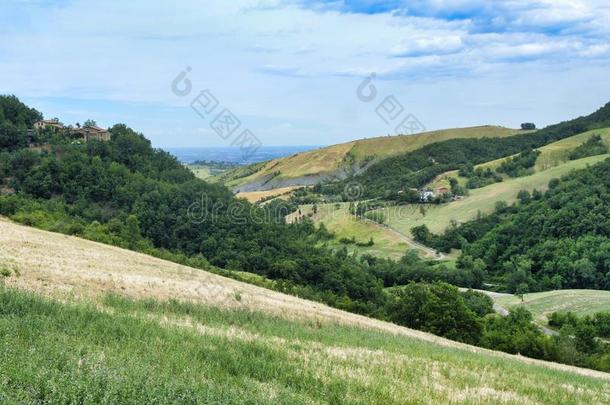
x: 305, y: 72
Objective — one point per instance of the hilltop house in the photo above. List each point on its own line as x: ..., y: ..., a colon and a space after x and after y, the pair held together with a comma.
x: 42, y: 124
x: 91, y: 132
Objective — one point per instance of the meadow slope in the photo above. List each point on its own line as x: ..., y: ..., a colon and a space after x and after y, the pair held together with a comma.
x: 309, y: 167
x: 542, y: 304
x: 343, y: 224
x: 481, y: 200
x: 222, y: 340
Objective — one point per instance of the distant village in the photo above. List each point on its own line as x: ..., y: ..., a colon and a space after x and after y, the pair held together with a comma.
x: 86, y: 133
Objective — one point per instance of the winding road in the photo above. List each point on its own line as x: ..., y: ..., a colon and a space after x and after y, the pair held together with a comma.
x: 504, y: 312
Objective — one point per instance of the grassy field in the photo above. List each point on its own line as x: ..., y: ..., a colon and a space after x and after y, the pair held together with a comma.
x: 338, y: 220
x: 551, y: 155
x: 119, y: 350
x: 556, y: 153
x: 581, y: 302
x: 439, y: 217
x: 82, y: 322
x: 201, y: 171
x: 210, y: 173
x: 327, y: 160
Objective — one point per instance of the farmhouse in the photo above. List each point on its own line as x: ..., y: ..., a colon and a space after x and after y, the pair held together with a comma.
x: 426, y: 195
x: 54, y: 124
x: 91, y: 132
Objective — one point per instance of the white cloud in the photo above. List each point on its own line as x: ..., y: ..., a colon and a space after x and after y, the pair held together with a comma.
x: 276, y: 63
x: 428, y: 45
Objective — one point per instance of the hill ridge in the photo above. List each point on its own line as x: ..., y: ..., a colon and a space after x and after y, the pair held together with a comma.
x: 346, y: 158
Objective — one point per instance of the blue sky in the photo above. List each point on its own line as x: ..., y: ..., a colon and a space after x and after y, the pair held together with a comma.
x: 289, y: 70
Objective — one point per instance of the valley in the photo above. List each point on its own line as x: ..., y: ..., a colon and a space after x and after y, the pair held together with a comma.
x: 137, y: 247
x: 305, y: 202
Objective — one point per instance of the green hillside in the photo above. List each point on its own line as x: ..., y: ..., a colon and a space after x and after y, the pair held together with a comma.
x: 133, y: 328
x: 339, y: 221
x: 125, y: 193
x: 558, y: 152
x: 143, y: 351
x: 393, y: 178
x: 328, y: 160
x: 580, y: 302
x: 438, y: 217
x: 553, y: 154
x: 548, y: 241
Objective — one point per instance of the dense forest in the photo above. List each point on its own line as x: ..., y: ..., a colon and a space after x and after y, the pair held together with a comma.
x: 126, y: 193
x: 384, y: 179
x: 559, y: 239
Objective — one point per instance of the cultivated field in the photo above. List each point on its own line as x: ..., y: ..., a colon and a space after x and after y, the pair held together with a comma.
x: 556, y: 153
x: 219, y: 340
x: 581, y: 302
x: 551, y: 155
x: 254, y: 196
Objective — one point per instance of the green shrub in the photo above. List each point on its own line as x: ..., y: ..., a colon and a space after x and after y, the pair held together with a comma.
x: 593, y: 146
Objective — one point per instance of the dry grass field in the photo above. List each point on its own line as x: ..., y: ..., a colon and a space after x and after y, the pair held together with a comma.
x: 258, y: 345
x: 329, y: 159
x: 254, y: 196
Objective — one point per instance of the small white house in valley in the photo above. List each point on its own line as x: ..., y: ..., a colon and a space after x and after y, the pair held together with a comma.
x: 426, y: 195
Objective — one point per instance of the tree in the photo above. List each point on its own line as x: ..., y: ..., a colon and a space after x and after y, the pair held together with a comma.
x: 90, y: 123
x: 422, y: 210
x: 132, y: 231
x: 421, y: 233
x: 524, y: 196
x: 521, y: 290
x: 436, y: 308
x: 585, y: 337
x: 480, y: 303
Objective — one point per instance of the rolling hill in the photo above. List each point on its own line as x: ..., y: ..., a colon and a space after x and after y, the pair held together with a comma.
x: 551, y: 155
x: 552, y: 163
x: 581, y: 302
x: 394, y: 239
x: 111, y: 325
x: 308, y: 168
